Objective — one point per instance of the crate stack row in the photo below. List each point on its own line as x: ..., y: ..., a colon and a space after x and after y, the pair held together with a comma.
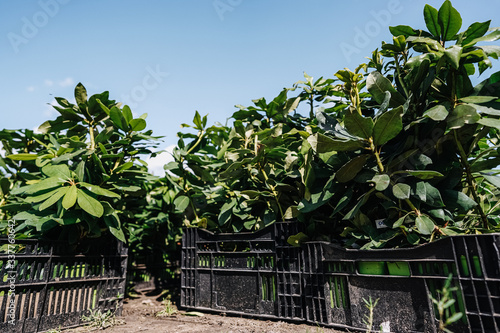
x: 260, y: 275
x: 48, y: 286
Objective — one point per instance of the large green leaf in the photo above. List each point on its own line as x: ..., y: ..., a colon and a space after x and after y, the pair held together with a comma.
x: 478, y: 99
x: 114, y: 226
x: 495, y: 180
x: 316, y: 200
x: 22, y: 157
x: 197, y: 121
x: 103, y: 107
x: 323, y: 144
x: 387, y: 126
x: 358, y: 125
x: 61, y: 171
x: 403, y: 30
x: 99, y: 190
x: 45, y: 184
x: 378, y: 85
x: 449, y: 20
x: 40, y: 197
x: 437, y: 113
x: 181, y: 203
x: 431, y: 20
x: 381, y: 181
x: 495, y: 35
x: 291, y: 105
x: 138, y: 124
x: 349, y: 170
x: 361, y: 201
x: 226, y: 212
x: 401, y: 191
x: 127, y: 114
x: 424, y: 224
x: 68, y: 114
x: 429, y: 194
x: 453, y: 54
x: 118, y: 119
x: 476, y: 30
x: 54, y: 198
x: 458, y: 200
x: 80, y: 94
x: 462, y: 115
x: 4, y: 186
x: 89, y: 204
x: 490, y: 122
x: 69, y: 199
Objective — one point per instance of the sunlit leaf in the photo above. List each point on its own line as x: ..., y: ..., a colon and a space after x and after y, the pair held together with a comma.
x: 181, y: 203
x: 89, y: 204
x: 69, y: 199
x: 449, y: 20
x: 99, y: 190
x: 424, y: 224
x: 387, y: 126
x: 401, y: 191
x: 358, y: 125
x: 437, y: 113
x: 431, y: 20
x: 349, y: 170
x: 138, y: 124
x: 54, y: 198
x: 22, y: 157
x: 378, y: 85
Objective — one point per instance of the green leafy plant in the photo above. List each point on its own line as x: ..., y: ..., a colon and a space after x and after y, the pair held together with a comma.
x: 244, y: 177
x: 168, y: 309
x: 399, y: 152
x: 443, y: 303
x: 368, y: 319
x: 413, y: 151
x: 97, y: 319
x: 81, y: 175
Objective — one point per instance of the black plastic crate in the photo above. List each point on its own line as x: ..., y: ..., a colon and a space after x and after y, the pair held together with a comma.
x: 51, y: 286
x: 337, y: 281
x: 257, y: 274
x: 260, y: 275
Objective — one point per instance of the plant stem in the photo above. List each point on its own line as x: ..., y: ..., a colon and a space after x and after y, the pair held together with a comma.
x: 377, y: 155
x: 92, y: 140
x: 470, y: 180
x: 275, y: 193
x: 311, y: 102
x: 358, y: 101
x: 399, y: 76
x: 200, y: 137
x: 194, y: 209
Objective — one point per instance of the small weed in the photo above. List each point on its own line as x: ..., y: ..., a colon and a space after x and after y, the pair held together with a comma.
x: 168, y: 310
x: 443, y: 304
x: 370, y: 305
x: 101, y: 320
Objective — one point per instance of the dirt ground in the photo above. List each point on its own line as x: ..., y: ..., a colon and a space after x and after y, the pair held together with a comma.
x: 139, y: 315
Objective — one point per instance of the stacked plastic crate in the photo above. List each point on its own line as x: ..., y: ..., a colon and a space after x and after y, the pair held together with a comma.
x: 260, y: 275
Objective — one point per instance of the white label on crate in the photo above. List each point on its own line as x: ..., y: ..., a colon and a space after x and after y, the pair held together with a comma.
x: 381, y: 224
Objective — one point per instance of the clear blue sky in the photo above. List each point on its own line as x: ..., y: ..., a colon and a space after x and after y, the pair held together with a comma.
x: 170, y: 58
